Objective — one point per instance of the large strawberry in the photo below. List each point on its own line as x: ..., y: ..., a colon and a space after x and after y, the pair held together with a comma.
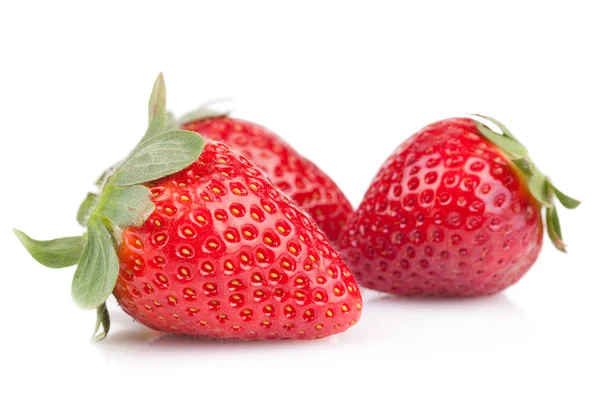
x: 302, y: 180
x: 192, y: 238
x: 454, y: 211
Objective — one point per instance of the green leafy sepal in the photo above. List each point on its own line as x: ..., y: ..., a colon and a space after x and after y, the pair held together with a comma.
x: 539, y: 184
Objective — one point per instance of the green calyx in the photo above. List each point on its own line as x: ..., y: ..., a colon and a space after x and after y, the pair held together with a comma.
x: 539, y: 184
x: 121, y: 202
x: 204, y: 111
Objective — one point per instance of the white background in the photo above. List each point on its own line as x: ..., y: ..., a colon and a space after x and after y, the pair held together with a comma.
x: 344, y: 83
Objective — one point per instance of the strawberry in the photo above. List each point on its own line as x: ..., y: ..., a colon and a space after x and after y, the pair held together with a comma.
x: 454, y: 211
x: 302, y: 180
x: 192, y: 238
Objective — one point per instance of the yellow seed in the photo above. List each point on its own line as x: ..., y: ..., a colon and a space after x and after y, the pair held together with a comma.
x: 247, y: 233
x: 162, y: 278
x: 193, y: 309
x: 188, y: 232
x: 206, y: 266
x: 267, y: 208
x: 237, y: 191
x: 148, y: 307
x: 235, y: 211
x: 221, y: 161
x: 169, y: 210
x: 299, y: 281
x: 289, y: 325
x: 236, y: 297
x: 228, y: 265
x: 289, y: 309
x: 244, y: 258
x: 280, y: 229
x: 336, y: 290
x: 216, y: 190
x: 359, y: 306
x: 157, y: 303
x: 255, y: 216
x: 319, y: 327
x: 184, y: 198
x: 274, y: 275
x: 299, y: 295
x: 260, y: 255
x: 175, y: 315
x: 330, y: 272
x: 319, y: 296
x: 312, y: 258
x: 253, y: 186
x: 172, y: 299
x: 236, y: 327
x: 246, y: 312
x: 268, y: 240
x: 209, y: 286
x: 201, y: 219
x: 308, y: 313
x: 256, y: 277
x: 222, y: 316
x: 352, y: 322
x: 265, y: 322
x: 186, y: 251
x: 229, y: 236
x: 160, y: 238
x: 235, y: 282
x: 138, y: 261
x: 336, y: 326
x: 259, y: 293
x: 269, y: 308
x: 307, y: 267
x: 224, y: 173
x: 350, y: 290
x: 157, y: 222
x: 203, y: 322
x: 292, y: 249
x: 329, y: 313
x: 320, y: 280
x: 181, y: 184
x: 344, y: 308
x: 138, y: 242
x: 212, y: 245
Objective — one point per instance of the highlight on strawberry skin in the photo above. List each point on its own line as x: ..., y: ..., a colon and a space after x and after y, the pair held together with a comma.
x: 456, y: 210
x: 303, y: 181
x: 193, y: 238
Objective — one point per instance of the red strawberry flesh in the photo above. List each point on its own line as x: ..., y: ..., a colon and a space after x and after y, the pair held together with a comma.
x: 303, y: 181
x: 447, y: 215
x: 226, y: 254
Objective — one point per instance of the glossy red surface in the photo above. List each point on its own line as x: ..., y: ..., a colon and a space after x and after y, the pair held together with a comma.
x: 302, y: 180
x: 447, y: 214
x: 226, y: 254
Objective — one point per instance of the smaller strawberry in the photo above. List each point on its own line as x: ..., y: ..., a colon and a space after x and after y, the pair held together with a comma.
x: 311, y: 188
x: 192, y: 238
x: 454, y: 211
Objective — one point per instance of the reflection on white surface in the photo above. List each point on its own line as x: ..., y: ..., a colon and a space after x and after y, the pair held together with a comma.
x: 390, y: 325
